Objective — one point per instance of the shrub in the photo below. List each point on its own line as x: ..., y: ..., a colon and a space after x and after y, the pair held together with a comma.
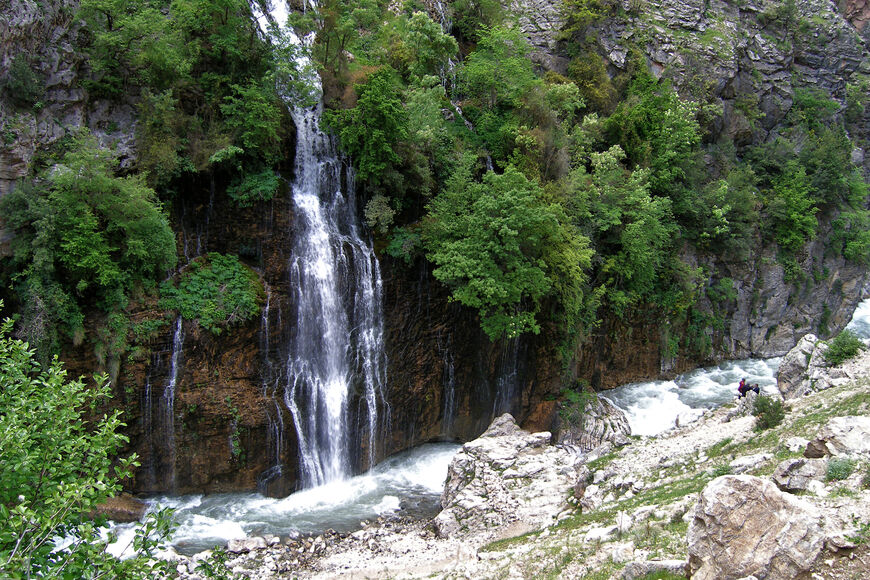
x: 839, y: 468
x: 845, y: 346
x: 55, y: 467
x: 768, y: 412
x: 254, y: 187
x: 217, y: 291
x: 22, y: 85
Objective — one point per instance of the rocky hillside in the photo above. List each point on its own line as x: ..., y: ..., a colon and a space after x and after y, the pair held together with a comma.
x: 715, y: 499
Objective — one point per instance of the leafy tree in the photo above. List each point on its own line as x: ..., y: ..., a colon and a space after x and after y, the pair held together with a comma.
x: 370, y: 130
x: 84, y: 237
x: 253, y: 113
x: 57, y: 463
x: 498, y: 73
x: 417, y: 46
x: 792, y: 209
x: 133, y: 43
x: 471, y: 18
x: 634, y: 229
x: 658, y: 130
x: 503, y: 250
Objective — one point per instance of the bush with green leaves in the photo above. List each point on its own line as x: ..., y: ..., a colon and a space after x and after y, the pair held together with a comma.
x: 769, y: 412
x: 845, y: 345
x: 503, y: 250
x: 84, y: 238
x: 21, y: 84
x: 839, y: 468
x: 217, y: 291
x: 370, y: 130
x: 57, y: 463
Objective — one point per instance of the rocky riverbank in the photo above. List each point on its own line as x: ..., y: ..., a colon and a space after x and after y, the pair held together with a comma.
x: 713, y: 499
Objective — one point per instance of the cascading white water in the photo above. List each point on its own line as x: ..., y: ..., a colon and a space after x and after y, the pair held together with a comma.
x: 336, y: 345
x: 271, y: 379
x: 507, y: 392
x: 167, y: 400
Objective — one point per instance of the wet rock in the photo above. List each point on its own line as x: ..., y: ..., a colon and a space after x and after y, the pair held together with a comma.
x: 507, y: 479
x: 123, y: 508
x: 796, y: 474
x: 743, y: 525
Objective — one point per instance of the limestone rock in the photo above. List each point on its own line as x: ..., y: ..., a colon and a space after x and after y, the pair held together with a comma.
x: 743, y: 525
x: 243, y: 545
x: 842, y: 436
x: 748, y: 462
x: 601, y: 422
x: 796, y: 474
x: 793, y: 368
x: 507, y: 480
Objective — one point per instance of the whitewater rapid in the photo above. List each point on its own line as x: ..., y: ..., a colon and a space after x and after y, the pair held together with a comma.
x: 653, y: 407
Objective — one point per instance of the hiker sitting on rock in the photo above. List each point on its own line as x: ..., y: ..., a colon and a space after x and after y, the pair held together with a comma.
x: 743, y: 388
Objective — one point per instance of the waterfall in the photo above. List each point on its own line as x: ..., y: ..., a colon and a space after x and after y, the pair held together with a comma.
x: 271, y: 381
x: 335, y: 356
x: 167, y: 401
x: 508, y: 382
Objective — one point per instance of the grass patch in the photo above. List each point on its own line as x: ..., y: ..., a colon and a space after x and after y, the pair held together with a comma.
x: 839, y: 469
x: 719, y: 448
x: 597, y: 464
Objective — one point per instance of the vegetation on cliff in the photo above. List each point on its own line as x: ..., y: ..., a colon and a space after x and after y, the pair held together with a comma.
x: 593, y: 185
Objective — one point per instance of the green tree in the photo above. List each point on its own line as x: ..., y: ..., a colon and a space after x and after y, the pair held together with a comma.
x: 57, y: 463
x: 370, y: 131
x: 792, y: 209
x: 133, y: 43
x: 498, y: 73
x: 503, y: 250
x: 84, y: 238
x: 635, y: 230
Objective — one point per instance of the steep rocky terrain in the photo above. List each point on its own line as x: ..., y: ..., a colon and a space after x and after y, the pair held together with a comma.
x: 714, y: 499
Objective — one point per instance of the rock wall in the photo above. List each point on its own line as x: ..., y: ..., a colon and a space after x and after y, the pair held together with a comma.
x: 446, y: 380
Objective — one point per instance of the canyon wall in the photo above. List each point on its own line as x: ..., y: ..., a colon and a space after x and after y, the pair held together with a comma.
x: 229, y: 429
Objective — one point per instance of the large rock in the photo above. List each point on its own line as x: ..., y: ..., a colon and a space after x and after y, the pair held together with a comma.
x: 123, y: 508
x: 600, y: 421
x: 804, y: 369
x: 507, y: 481
x: 796, y: 474
x: 745, y: 526
x: 842, y: 436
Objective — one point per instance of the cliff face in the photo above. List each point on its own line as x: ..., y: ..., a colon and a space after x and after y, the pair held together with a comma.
x: 445, y: 379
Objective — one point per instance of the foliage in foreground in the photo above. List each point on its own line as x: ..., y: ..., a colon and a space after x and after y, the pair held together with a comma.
x: 769, y: 412
x: 56, y: 464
